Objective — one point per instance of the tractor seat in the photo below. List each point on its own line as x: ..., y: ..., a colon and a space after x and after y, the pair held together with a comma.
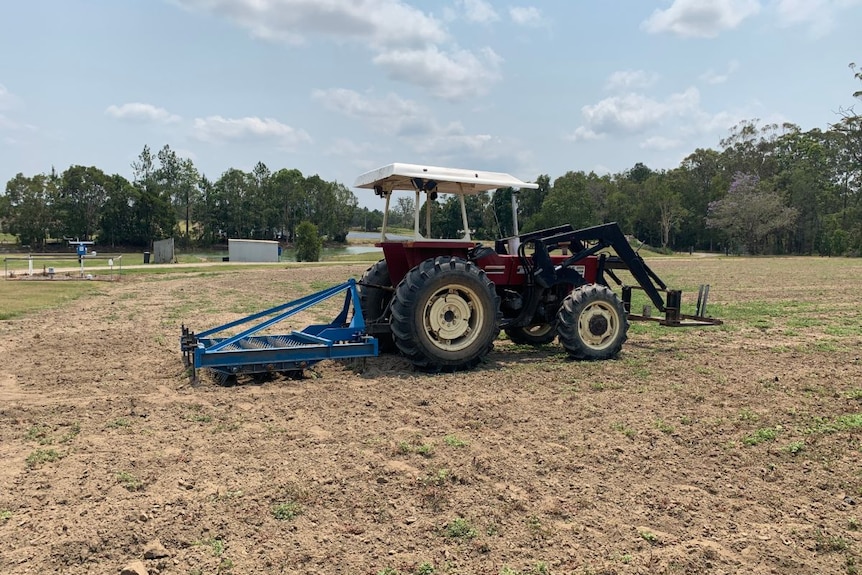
x: 478, y: 252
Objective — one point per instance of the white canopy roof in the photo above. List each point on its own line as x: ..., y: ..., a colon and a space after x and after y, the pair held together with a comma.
x: 448, y: 180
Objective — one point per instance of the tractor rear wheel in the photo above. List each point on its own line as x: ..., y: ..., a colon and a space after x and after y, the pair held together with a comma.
x: 592, y: 323
x: 445, y: 314
x: 374, y: 300
x: 538, y: 334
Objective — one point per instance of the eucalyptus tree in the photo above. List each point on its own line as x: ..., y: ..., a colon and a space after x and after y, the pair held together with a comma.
x: 179, y: 180
x: 153, y: 212
x: 287, y: 189
x: 81, y: 197
x: 32, y: 214
x: 118, y: 224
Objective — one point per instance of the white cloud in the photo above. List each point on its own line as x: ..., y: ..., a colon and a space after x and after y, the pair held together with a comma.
x: 381, y: 22
x: 391, y: 115
x: 713, y: 77
x: 819, y: 15
x: 526, y: 16
x: 404, y: 41
x: 137, y: 111
x: 219, y: 129
x: 348, y: 148
x: 479, y: 11
x: 701, y: 18
x: 455, y: 75
x: 660, y: 143
x: 411, y: 127
x: 5, y: 98
x: 581, y: 134
x: 628, y: 79
x: 635, y: 113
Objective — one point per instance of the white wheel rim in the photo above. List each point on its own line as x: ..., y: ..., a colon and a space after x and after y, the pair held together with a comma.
x: 598, y: 325
x: 452, y: 318
x: 539, y: 330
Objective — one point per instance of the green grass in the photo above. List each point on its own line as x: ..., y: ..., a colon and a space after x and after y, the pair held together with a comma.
x: 21, y: 297
x: 129, y: 481
x: 850, y: 422
x: 459, y: 528
x: 286, y: 511
x: 761, y: 435
x: 454, y: 441
x: 41, y: 456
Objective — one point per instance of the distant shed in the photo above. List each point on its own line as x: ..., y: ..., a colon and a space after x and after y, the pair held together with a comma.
x: 252, y: 250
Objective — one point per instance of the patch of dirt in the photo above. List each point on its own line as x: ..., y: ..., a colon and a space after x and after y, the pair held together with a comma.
x: 734, y: 449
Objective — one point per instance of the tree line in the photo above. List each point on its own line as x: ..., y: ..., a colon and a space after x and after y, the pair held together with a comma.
x: 767, y: 189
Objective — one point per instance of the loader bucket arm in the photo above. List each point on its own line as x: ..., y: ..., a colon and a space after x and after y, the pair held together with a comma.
x: 587, y: 242
x: 611, y: 236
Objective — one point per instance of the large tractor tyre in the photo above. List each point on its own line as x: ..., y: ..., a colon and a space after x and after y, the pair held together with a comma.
x: 445, y: 314
x: 538, y: 334
x: 592, y: 323
x: 375, y: 300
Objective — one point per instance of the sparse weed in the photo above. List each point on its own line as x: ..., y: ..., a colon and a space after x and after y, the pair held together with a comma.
x: 199, y: 417
x: 5, y: 515
x: 215, y: 544
x: 540, y: 568
x: 624, y: 429
x: 459, y: 528
x: 73, y: 432
x: 664, y: 427
x: 761, y: 435
x: 286, y: 511
x: 388, y: 571
x: 853, y: 524
x: 795, y: 447
x: 829, y: 544
x: 440, y: 478
x: 425, y: 569
x: 843, y: 423
x: 39, y: 433
x: 454, y: 441
x: 650, y: 537
x: 745, y: 414
x: 119, y: 423
x: 41, y: 456
x: 423, y: 449
x: 129, y: 481
x: 537, y: 528
x: 855, y: 394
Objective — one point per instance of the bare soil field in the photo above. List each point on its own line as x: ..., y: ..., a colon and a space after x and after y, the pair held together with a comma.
x: 732, y: 449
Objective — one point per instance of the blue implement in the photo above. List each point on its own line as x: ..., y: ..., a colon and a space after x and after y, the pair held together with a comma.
x: 253, y: 352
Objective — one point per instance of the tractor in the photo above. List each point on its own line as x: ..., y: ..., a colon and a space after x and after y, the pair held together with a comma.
x: 442, y: 303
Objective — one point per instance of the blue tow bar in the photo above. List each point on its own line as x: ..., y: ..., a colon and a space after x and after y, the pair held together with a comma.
x: 251, y: 352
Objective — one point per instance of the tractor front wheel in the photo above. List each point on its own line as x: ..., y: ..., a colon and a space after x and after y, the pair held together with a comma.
x: 592, y: 323
x: 538, y: 334
x: 445, y: 314
x: 374, y: 299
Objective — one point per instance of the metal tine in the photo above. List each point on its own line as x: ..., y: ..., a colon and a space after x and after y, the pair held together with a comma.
x: 705, y: 298
x: 699, y: 300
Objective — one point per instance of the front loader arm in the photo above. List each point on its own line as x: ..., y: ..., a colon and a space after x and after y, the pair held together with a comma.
x: 590, y: 241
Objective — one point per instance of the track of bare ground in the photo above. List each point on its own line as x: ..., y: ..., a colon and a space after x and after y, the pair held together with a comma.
x: 734, y: 449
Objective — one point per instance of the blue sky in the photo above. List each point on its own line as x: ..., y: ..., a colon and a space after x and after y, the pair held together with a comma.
x: 339, y: 87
